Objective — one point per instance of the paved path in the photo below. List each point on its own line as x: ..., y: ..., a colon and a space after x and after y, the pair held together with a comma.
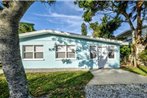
x: 116, y: 83
x: 115, y: 76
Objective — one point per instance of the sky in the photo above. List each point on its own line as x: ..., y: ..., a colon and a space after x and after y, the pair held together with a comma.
x: 62, y: 15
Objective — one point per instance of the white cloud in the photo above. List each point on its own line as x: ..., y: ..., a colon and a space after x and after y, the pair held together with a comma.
x: 56, y: 15
x: 65, y: 16
x: 70, y: 4
x: 73, y: 26
x: 70, y: 22
x: 25, y: 20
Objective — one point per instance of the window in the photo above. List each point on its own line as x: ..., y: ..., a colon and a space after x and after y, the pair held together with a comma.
x: 65, y: 51
x: 111, y: 52
x: 70, y: 51
x: 60, y: 51
x: 33, y: 51
x: 93, y: 52
x: 28, y: 51
x: 38, y: 51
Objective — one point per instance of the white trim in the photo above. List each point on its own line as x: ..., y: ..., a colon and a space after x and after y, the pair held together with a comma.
x: 98, y: 51
x: 33, y: 59
x: 65, y: 52
x: 90, y: 52
x: 60, y: 59
x: 32, y: 52
x: 113, y: 51
x: 66, y: 34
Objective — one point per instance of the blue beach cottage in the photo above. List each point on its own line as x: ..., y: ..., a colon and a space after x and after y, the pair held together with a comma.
x: 55, y: 49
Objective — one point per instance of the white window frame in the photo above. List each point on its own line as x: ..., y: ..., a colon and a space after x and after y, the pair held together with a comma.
x: 98, y: 51
x: 66, y: 51
x: 32, y: 52
x: 58, y: 52
x: 90, y: 51
x: 113, y: 51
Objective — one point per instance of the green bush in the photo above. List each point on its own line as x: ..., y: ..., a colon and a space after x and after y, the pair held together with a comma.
x: 125, y: 51
x: 143, y: 57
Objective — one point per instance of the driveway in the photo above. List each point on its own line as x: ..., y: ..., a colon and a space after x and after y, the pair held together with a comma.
x: 115, y: 76
x: 116, y: 83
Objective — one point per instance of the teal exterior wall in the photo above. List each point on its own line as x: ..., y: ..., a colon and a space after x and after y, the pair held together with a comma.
x: 82, y: 59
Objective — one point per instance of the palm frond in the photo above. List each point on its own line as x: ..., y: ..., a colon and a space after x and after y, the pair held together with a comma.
x: 134, y: 17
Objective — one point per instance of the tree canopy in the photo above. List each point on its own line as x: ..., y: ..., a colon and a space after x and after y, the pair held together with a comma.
x: 108, y: 25
x: 131, y: 12
x: 84, y: 29
x: 124, y: 10
x: 106, y: 28
x: 25, y: 27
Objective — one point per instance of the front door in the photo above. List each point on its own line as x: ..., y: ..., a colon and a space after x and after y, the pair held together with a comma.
x: 102, y: 56
x: 99, y: 55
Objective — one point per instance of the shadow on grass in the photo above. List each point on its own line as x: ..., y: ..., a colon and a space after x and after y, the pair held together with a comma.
x: 128, y: 69
x: 73, y: 88
x: 4, y: 92
x: 137, y: 70
x: 143, y: 68
x: 56, y: 85
x: 60, y: 85
x: 0, y: 66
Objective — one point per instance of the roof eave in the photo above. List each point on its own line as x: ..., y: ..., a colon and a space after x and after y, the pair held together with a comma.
x: 54, y: 32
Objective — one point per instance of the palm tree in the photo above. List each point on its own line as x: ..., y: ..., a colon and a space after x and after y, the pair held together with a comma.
x: 130, y: 10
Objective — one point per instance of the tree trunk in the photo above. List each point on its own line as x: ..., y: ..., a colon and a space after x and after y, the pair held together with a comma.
x: 136, y: 35
x: 11, y: 60
x: 138, y: 32
x: 139, y: 22
x: 133, y: 49
x: 10, y: 51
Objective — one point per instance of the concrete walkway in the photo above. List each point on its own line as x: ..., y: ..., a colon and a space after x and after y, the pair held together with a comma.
x: 115, y: 76
x: 116, y: 83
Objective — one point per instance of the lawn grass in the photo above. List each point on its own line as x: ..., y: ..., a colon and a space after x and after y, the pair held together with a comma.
x: 54, y: 84
x: 141, y: 70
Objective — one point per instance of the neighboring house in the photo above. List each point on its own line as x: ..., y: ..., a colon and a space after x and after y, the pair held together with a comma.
x: 55, y: 49
x: 127, y: 35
